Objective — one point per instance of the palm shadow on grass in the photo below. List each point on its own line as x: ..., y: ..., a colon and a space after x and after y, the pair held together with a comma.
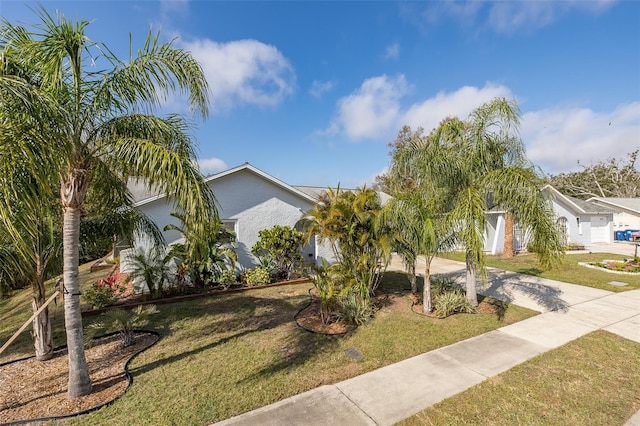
x: 240, y: 317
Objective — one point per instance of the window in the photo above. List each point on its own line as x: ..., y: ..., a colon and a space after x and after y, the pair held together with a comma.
x: 231, y: 225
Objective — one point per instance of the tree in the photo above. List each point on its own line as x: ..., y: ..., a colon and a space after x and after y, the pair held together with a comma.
x: 466, y: 167
x: 610, y: 178
x: 348, y: 220
x: 30, y: 254
x: 415, y: 214
x: 67, y: 122
x: 494, y: 169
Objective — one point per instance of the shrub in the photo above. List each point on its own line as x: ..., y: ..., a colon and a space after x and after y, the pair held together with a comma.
x: 327, y: 284
x: 452, y: 302
x: 354, y: 309
x: 257, y: 276
x: 282, y: 244
x: 441, y: 285
x: 228, y: 277
x: 123, y: 321
x: 103, y: 293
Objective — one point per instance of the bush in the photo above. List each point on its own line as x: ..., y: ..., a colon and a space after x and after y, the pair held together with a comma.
x: 452, y: 302
x: 103, y: 293
x: 257, y: 276
x: 228, y: 277
x: 122, y: 321
x: 441, y: 285
x: 354, y: 309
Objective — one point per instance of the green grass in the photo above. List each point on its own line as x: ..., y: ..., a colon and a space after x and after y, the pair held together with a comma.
x: 594, y: 380
x: 227, y: 354
x: 569, y: 271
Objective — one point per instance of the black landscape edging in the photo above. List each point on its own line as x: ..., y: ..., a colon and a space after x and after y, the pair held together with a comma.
x: 97, y: 407
x: 188, y: 297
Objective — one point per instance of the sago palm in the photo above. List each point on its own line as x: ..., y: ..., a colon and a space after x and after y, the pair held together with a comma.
x: 68, y: 122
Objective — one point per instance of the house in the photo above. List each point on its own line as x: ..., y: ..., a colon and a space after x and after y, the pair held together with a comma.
x: 581, y: 222
x: 248, y: 200
x: 626, y: 211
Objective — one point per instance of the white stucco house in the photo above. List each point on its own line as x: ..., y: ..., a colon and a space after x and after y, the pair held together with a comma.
x: 582, y: 222
x: 248, y: 200
x: 626, y: 211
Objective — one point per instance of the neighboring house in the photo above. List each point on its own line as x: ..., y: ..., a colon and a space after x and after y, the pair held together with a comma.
x: 581, y: 222
x: 626, y: 211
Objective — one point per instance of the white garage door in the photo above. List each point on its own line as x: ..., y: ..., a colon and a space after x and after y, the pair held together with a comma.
x: 599, y: 230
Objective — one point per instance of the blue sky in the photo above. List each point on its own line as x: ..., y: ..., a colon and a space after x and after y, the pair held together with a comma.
x: 312, y: 92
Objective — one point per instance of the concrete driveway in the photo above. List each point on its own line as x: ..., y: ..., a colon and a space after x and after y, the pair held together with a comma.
x: 625, y: 248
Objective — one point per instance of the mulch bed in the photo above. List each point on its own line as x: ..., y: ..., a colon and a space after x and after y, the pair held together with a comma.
x: 309, y: 317
x: 35, y: 389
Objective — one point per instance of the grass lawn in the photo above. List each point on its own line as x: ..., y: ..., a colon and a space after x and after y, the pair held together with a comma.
x: 594, y: 380
x: 15, y: 310
x: 227, y: 354
x: 569, y: 272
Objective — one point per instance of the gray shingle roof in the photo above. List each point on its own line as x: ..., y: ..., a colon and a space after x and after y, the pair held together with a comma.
x: 589, y: 207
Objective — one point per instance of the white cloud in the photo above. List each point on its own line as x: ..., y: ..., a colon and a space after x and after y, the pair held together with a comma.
x: 510, y: 16
x: 211, y: 165
x: 429, y: 113
x: 557, y: 138
x: 374, y: 110
x: 371, y: 109
x: 170, y: 8
x: 392, y: 52
x: 243, y: 72
x: 319, y: 88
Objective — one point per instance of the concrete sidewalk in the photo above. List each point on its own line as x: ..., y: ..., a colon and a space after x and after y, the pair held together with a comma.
x: 397, y: 391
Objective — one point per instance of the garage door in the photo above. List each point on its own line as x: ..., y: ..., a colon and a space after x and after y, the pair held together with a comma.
x: 599, y: 230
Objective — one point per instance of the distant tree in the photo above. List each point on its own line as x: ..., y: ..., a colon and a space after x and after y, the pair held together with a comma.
x: 609, y: 178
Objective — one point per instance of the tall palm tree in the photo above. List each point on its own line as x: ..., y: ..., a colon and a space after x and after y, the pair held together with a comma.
x: 493, y: 169
x: 71, y: 123
x: 415, y: 214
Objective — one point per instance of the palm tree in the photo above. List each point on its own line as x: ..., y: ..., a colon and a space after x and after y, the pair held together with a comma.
x: 415, y: 214
x: 71, y: 123
x: 30, y: 254
x: 207, y: 254
x: 493, y: 169
x: 348, y: 220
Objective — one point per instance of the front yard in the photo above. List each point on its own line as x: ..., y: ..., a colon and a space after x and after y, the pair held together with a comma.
x: 222, y: 355
x: 570, y: 271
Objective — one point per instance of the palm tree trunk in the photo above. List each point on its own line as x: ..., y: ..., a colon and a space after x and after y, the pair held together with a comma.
x: 42, y: 338
x: 73, y: 192
x: 508, y: 236
x: 426, y: 290
x: 472, y: 292
x: 413, y: 279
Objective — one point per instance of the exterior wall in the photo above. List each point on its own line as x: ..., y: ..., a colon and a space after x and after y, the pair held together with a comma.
x: 253, y: 203
x: 623, y: 221
x: 578, y: 225
x: 494, y: 233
